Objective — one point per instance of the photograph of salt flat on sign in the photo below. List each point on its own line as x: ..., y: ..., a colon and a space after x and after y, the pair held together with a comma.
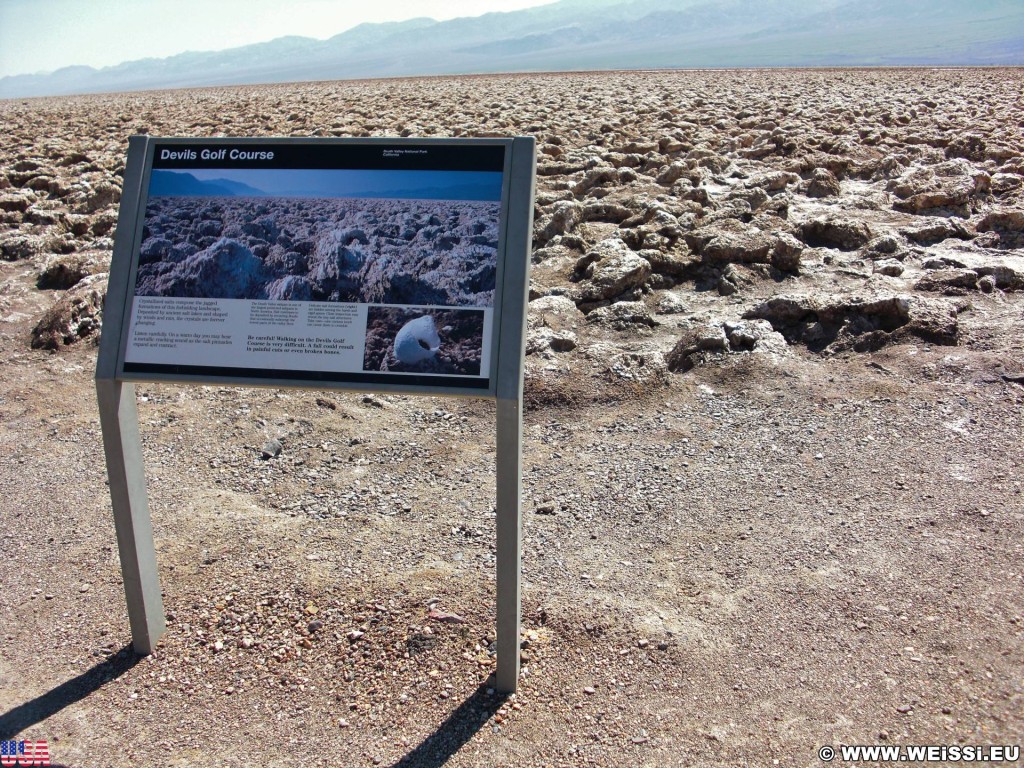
x: 377, y: 236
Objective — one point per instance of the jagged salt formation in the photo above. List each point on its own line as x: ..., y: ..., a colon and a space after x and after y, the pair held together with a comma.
x: 417, y: 340
x: 434, y: 252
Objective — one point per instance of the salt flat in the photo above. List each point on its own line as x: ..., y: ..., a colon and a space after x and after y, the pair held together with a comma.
x: 773, y: 439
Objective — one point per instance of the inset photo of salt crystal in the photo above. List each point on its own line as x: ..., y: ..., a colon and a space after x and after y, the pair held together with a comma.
x: 415, y: 340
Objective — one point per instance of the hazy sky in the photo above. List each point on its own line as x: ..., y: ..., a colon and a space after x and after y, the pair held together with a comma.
x: 44, y: 35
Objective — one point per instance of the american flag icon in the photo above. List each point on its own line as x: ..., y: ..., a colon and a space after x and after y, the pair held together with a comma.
x: 24, y: 753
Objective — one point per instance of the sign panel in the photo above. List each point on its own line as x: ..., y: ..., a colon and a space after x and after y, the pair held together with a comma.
x: 359, y: 264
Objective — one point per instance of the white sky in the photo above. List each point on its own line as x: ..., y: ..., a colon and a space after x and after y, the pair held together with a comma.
x: 44, y: 35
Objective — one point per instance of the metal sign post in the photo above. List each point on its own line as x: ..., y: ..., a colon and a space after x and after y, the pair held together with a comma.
x: 222, y: 340
x: 119, y: 422
x: 509, y: 453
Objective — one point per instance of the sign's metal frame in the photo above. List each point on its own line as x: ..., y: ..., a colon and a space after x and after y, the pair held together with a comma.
x: 115, y: 390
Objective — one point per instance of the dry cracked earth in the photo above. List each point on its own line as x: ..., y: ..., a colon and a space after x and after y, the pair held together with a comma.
x: 773, y: 439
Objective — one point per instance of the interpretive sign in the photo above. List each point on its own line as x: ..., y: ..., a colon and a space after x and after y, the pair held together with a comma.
x: 357, y: 264
x: 392, y: 265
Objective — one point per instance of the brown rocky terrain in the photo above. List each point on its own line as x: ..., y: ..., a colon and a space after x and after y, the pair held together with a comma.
x: 773, y: 498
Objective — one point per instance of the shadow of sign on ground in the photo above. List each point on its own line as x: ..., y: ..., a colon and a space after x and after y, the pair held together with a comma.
x: 37, y: 710
x: 456, y: 731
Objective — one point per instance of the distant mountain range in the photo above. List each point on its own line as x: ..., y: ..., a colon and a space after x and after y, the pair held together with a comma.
x: 593, y: 34
x: 179, y: 184
x: 183, y: 184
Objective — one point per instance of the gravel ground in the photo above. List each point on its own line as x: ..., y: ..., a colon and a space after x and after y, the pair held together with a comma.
x: 742, y: 541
